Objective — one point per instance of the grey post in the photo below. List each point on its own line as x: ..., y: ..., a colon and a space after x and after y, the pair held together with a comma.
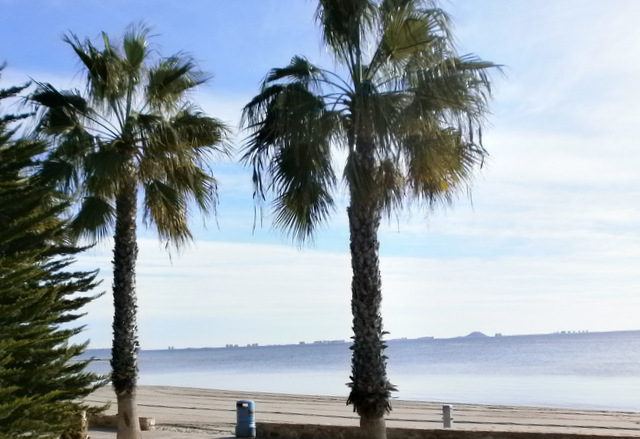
x: 447, y: 420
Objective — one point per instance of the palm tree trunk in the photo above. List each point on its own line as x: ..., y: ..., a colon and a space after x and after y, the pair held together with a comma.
x: 124, y: 354
x: 370, y: 389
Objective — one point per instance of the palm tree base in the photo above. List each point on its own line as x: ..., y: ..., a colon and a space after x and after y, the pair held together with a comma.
x: 128, y: 423
x: 373, y: 428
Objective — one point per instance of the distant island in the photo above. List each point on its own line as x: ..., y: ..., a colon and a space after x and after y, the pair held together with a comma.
x: 476, y: 334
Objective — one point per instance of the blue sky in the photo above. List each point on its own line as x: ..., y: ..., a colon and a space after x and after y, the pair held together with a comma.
x: 547, y: 240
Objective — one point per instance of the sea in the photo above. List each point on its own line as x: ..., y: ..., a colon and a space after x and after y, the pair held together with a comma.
x: 599, y: 371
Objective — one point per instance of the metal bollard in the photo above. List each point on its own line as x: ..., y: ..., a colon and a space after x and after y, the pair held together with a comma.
x: 447, y: 420
x: 246, y: 423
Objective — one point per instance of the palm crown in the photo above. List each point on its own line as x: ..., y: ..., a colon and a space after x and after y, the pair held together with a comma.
x: 134, y: 122
x: 407, y: 111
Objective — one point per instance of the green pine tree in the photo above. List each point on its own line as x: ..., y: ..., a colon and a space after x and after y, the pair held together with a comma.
x: 41, y: 381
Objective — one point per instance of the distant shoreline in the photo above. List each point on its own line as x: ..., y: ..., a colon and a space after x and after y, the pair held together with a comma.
x: 472, y: 335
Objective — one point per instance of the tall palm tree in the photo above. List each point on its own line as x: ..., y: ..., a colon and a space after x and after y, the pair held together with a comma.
x: 134, y: 131
x: 407, y: 112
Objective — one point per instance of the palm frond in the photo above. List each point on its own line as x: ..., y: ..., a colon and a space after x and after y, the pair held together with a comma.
x: 457, y: 90
x: 253, y: 112
x: 345, y: 24
x: 193, y: 182
x: 375, y: 115
x: 200, y: 186
x: 408, y: 29
x: 439, y: 165
x: 61, y: 174
x: 104, y: 169
x: 276, y: 114
x: 390, y: 183
x: 189, y: 137
x: 107, y: 74
x: 303, y: 178
x: 95, y: 219
x: 198, y: 130
x: 167, y: 209
x: 75, y: 144
x: 299, y: 70
x: 63, y: 166
x: 60, y: 110
x: 290, y: 154
x: 135, y: 46
x: 170, y: 79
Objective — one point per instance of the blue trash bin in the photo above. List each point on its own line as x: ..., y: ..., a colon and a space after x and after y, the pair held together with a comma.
x: 246, y: 423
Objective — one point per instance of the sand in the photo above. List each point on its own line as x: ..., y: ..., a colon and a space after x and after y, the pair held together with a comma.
x: 198, y: 413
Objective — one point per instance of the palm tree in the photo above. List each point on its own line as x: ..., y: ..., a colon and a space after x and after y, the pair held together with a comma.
x: 134, y: 131
x: 406, y: 111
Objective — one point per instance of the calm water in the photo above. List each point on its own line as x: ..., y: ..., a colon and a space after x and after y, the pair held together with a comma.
x: 589, y: 370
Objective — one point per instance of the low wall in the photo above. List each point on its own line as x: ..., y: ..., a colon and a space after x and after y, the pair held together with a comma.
x: 111, y: 422
x: 265, y: 430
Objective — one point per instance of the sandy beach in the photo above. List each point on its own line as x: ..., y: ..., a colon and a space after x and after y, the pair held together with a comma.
x: 189, y: 412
